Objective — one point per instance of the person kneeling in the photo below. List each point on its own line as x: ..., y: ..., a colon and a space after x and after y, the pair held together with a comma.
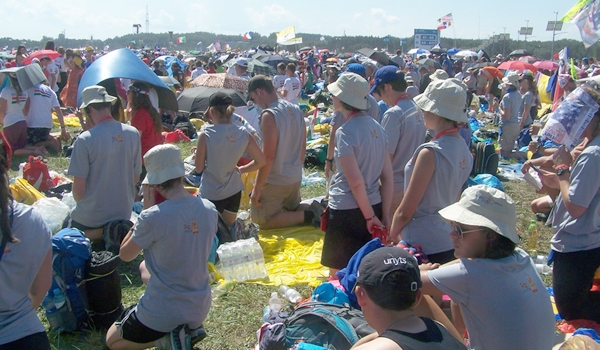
x: 388, y: 289
x: 176, y: 236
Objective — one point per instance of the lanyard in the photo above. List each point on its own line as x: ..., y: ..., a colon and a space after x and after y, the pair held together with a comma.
x: 108, y: 117
x: 444, y: 132
x: 404, y: 96
x: 351, y: 115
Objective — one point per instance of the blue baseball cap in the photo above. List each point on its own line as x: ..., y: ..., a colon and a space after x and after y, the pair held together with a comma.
x: 356, y: 68
x: 385, y: 74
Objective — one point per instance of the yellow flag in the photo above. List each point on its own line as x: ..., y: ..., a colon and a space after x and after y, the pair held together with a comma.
x: 286, y: 34
x: 573, y: 11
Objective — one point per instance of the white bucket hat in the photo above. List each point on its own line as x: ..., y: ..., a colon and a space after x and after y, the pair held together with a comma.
x: 485, y: 206
x: 511, y: 78
x: 446, y: 98
x: 163, y: 162
x: 439, y: 74
x: 352, y: 89
x: 95, y: 94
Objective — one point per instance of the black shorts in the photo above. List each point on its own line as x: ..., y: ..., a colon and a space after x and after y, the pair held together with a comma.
x: 346, y: 234
x: 135, y: 331
x: 36, y: 341
x: 231, y: 204
x: 35, y: 135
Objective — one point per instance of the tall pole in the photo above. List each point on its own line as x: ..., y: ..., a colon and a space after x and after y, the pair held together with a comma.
x: 553, y: 33
x: 492, y: 50
x: 526, y: 30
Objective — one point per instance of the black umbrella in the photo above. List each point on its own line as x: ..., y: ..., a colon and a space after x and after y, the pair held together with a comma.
x: 429, y: 62
x: 305, y: 48
x: 380, y: 57
x: 484, y: 64
x: 274, y: 60
x: 196, y: 99
x: 437, y: 50
x: 257, y: 67
x: 343, y: 56
x: 265, y: 47
x: 519, y: 53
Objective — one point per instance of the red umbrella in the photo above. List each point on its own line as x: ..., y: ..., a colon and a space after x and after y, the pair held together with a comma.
x: 549, y: 65
x: 39, y: 54
x: 517, y: 65
x: 528, y: 59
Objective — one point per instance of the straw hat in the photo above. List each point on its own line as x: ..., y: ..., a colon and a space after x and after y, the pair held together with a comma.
x: 351, y: 89
x: 445, y: 98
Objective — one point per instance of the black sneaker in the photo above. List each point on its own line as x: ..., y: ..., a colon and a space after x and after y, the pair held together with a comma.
x: 197, y: 335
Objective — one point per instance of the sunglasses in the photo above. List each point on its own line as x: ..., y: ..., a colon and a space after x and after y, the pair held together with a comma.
x: 459, y: 231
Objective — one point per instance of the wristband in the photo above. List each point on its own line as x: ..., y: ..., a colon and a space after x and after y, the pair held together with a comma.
x: 329, y: 160
x: 371, y: 218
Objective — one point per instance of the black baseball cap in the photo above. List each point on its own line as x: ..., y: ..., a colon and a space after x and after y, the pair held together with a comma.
x: 377, y: 265
x: 219, y: 99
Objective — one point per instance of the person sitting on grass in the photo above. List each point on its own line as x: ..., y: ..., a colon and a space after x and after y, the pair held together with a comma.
x: 388, y: 291
x: 499, y: 293
x: 176, y: 237
x: 220, y: 146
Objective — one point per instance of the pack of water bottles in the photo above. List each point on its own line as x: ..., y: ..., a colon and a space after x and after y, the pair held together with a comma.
x: 242, y: 260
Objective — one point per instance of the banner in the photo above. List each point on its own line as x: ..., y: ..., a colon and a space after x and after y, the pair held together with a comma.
x: 181, y: 40
x: 292, y: 41
x: 211, y: 48
x: 248, y: 36
x: 444, y: 22
x: 218, y: 45
x: 563, y: 59
x: 574, y: 10
x: 286, y: 35
x: 588, y: 22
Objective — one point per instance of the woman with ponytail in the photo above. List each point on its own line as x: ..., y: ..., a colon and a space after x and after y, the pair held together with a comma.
x: 25, y: 267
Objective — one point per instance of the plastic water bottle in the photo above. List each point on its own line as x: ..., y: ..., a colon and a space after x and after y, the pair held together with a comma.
x: 59, y: 299
x: 541, y: 259
x: 532, y: 241
x: 290, y: 294
x: 259, y: 260
x: 223, y: 288
x: 225, y: 262
x: 543, y: 269
x: 239, y: 268
x: 244, y: 215
x: 273, y: 308
x: 247, y: 259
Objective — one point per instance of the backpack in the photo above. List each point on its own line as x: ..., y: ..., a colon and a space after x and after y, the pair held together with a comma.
x: 71, y: 252
x: 485, y: 158
x: 35, y: 171
x: 331, y: 326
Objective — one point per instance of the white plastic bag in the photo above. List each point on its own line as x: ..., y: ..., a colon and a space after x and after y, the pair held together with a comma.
x: 69, y: 200
x: 53, y: 211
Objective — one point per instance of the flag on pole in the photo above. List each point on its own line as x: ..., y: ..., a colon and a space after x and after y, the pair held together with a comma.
x: 211, y: 48
x: 287, y: 34
x: 561, y: 74
x: 181, y: 40
x: 587, y: 19
x: 444, y: 22
x: 248, y: 36
x: 218, y: 45
x: 574, y: 10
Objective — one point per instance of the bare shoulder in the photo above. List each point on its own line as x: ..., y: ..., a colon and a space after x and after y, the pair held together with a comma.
x: 379, y: 343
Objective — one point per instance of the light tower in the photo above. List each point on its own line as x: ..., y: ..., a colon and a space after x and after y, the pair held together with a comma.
x: 147, y: 21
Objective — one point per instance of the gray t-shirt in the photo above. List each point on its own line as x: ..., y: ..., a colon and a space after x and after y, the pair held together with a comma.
x: 18, y: 268
x: 503, y: 302
x: 528, y: 99
x: 373, y: 110
x: 364, y: 138
x: 583, y: 233
x: 287, y: 166
x: 453, y: 164
x: 512, y: 101
x: 176, y: 236
x: 108, y: 156
x: 225, y: 144
x: 405, y: 130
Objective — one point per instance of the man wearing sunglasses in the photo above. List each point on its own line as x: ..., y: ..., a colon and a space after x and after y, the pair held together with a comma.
x: 501, y: 297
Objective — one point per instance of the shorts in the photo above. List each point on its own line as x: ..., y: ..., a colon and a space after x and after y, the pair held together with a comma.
x: 135, y: 331
x: 231, y: 204
x: 68, y: 222
x: 346, y: 234
x: 508, y: 138
x: 274, y: 199
x: 16, y: 135
x: 35, y: 135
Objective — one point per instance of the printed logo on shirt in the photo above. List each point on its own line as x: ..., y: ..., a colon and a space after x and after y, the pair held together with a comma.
x: 530, y: 285
x: 118, y: 138
x: 231, y: 138
x: 193, y: 229
x: 375, y: 134
x: 295, y: 86
x: 250, y: 105
x: 463, y: 164
x: 40, y: 92
x: 18, y: 99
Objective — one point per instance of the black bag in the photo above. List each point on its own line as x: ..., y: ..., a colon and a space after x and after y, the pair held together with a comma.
x: 331, y: 326
x: 485, y: 159
x: 103, y: 285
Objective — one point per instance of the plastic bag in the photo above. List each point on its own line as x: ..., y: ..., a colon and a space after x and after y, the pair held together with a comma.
x: 489, y: 180
x: 53, y: 211
x: 69, y: 200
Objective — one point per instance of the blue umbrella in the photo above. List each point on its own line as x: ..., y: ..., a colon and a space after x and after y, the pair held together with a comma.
x: 453, y: 51
x: 123, y: 63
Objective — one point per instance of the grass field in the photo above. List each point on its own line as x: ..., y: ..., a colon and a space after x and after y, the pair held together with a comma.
x: 235, y: 317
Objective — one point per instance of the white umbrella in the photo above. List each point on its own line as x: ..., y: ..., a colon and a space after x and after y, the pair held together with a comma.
x: 418, y: 51
x: 466, y: 53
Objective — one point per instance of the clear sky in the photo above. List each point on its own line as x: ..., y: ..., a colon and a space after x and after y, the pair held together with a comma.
x: 31, y: 19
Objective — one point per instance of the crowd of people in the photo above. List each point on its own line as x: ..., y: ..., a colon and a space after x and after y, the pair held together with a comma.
x: 397, y: 165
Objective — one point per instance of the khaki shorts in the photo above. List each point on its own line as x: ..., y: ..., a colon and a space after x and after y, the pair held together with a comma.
x: 509, y: 137
x: 274, y: 199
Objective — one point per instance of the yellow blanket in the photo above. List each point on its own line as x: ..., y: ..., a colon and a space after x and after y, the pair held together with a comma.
x: 293, y: 256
